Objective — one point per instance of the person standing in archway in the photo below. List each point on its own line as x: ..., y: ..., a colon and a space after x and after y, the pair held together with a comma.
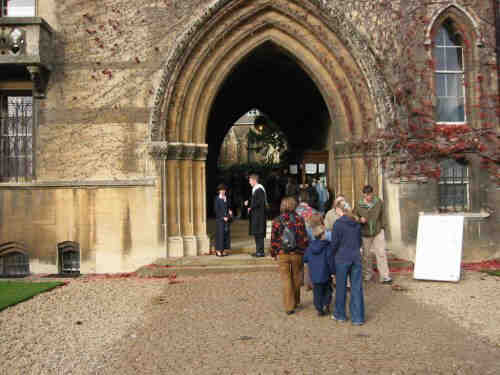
x: 223, y: 216
x: 257, y: 214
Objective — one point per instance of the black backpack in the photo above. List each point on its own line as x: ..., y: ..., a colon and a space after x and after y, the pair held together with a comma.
x: 288, y: 241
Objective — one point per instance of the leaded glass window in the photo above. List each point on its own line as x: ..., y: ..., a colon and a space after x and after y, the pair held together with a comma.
x: 449, y: 75
x: 16, y: 138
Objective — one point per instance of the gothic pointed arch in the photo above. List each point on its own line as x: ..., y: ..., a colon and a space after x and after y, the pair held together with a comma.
x: 467, y: 20
x: 317, y: 36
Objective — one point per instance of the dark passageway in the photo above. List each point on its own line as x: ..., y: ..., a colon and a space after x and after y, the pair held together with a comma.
x: 270, y: 79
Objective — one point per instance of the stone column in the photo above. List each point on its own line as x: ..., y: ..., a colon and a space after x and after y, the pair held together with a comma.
x: 184, y: 192
x: 199, y: 199
x: 186, y: 197
x: 175, y: 243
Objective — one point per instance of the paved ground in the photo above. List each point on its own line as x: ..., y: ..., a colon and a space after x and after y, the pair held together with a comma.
x: 234, y: 324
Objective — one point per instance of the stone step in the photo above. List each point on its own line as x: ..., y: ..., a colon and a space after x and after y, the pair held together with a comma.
x: 233, y: 263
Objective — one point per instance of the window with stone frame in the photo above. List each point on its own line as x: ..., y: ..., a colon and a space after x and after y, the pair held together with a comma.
x: 453, y: 186
x: 448, y: 54
x: 18, y: 8
x: 16, y: 138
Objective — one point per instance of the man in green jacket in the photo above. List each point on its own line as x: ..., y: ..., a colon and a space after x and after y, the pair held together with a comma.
x: 370, y: 211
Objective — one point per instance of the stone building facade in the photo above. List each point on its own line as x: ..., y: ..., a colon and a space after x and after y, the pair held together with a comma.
x: 122, y: 104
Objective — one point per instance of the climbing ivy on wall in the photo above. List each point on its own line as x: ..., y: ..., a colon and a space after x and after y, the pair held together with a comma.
x: 413, y: 143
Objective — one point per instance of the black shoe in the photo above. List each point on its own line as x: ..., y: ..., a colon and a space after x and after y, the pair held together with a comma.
x: 321, y: 313
x: 290, y: 312
x: 258, y: 255
x: 327, y: 309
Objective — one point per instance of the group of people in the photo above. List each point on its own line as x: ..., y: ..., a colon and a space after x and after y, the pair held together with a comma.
x: 337, y: 247
x: 256, y: 209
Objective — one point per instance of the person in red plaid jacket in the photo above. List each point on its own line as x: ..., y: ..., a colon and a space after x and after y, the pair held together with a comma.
x: 290, y: 261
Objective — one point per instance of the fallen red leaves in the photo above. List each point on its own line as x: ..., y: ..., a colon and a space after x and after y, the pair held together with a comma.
x: 480, y: 266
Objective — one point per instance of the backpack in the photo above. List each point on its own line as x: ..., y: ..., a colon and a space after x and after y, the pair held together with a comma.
x: 288, y: 241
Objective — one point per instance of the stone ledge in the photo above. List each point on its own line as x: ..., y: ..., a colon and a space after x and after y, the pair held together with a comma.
x: 79, y: 184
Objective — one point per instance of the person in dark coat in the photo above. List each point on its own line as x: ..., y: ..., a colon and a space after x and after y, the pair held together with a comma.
x: 346, y: 244
x: 318, y: 257
x: 257, y: 214
x: 223, y: 216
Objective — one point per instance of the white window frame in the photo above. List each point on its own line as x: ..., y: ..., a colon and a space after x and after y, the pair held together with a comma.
x: 3, y: 5
x: 461, y: 72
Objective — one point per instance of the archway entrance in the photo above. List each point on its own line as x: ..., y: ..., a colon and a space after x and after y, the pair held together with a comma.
x: 300, y: 62
x: 270, y: 79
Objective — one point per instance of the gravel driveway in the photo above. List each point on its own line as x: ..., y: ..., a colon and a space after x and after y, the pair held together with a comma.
x: 234, y: 324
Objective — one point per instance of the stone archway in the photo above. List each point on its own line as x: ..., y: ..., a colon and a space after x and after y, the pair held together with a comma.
x: 320, y: 40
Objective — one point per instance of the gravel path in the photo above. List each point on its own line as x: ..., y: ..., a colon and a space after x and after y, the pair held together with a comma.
x: 473, y: 303
x: 234, y: 324
x: 55, y: 332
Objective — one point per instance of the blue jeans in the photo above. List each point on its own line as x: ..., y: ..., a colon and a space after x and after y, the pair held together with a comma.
x: 357, y: 304
x: 309, y: 232
x: 322, y: 293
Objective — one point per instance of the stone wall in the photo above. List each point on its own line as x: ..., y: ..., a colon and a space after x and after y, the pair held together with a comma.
x: 95, y: 125
x: 116, y: 226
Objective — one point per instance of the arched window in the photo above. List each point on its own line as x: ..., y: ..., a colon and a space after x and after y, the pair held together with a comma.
x: 449, y: 74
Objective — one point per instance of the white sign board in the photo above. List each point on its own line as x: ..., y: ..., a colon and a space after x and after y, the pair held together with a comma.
x: 311, y: 168
x: 439, y: 247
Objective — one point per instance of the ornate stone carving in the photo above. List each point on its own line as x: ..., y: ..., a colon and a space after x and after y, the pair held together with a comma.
x: 158, y: 150
x: 178, y: 151
x: 201, y: 152
x: 175, y: 151
x: 188, y: 151
x: 17, y: 40
x: 333, y: 18
x: 40, y: 78
x: 12, y: 41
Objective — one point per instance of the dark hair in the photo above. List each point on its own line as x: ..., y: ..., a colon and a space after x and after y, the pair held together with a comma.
x: 288, y: 204
x: 367, y: 189
x: 254, y: 176
x: 221, y: 187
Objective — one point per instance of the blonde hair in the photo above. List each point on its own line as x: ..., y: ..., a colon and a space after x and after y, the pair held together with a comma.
x: 318, y: 230
x: 339, y: 198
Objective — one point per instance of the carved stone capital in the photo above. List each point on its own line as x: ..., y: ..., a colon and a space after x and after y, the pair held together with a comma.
x: 175, y: 151
x: 201, y: 152
x: 178, y: 151
x: 188, y: 151
x: 158, y: 150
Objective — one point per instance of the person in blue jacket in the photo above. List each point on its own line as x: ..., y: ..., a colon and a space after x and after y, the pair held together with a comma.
x: 319, y: 256
x: 346, y: 244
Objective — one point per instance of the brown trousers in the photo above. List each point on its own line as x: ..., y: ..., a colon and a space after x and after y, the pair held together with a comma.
x: 292, y: 276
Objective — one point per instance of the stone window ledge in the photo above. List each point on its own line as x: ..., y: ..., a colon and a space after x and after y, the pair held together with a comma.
x: 482, y: 215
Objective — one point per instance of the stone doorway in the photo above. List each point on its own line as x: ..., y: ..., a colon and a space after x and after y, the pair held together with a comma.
x: 299, y: 61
